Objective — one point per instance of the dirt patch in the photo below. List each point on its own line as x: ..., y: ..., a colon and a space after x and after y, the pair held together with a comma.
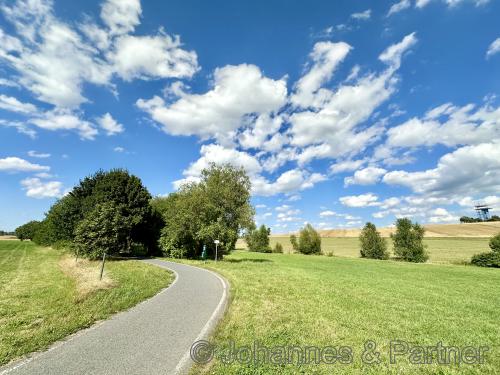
x: 9, y: 238
x: 86, y: 275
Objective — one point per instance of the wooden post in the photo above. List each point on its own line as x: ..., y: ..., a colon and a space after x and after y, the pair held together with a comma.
x: 102, y: 265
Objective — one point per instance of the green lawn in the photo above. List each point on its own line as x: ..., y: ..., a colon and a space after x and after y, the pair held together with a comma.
x: 286, y: 300
x: 441, y: 250
x: 40, y: 304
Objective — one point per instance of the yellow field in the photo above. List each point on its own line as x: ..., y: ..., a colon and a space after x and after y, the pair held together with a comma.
x: 441, y: 250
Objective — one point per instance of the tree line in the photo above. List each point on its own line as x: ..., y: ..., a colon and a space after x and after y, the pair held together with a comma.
x: 112, y: 212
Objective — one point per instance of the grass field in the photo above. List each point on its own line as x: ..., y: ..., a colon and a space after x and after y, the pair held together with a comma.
x: 44, y: 298
x: 291, y: 299
x: 441, y: 250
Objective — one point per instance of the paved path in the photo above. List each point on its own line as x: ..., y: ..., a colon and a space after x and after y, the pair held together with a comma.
x: 153, y: 337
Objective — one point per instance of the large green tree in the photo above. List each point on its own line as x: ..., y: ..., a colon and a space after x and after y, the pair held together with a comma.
x: 372, y: 244
x: 408, y: 241
x: 215, y: 208
x: 258, y: 239
x: 27, y: 231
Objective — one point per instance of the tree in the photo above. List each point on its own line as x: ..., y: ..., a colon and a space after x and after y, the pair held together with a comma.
x: 372, y: 244
x: 489, y: 259
x: 495, y: 243
x: 408, y: 241
x: 309, y: 240
x: 217, y: 207
x: 258, y: 239
x: 27, y: 231
x: 294, y: 242
x: 278, y: 248
x: 104, y: 230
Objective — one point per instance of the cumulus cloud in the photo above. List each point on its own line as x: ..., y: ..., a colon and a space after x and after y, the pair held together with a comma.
x: 451, y: 3
x: 366, y: 176
x: 40, y: 155
x: 15, y: 164
x: 347, y: 165
x: 36, y: 188
x: 238, y: 91
x: 474, y: 168
x: 110, y: 125
x: 365, y: 15
x: 121, y: 16
x: 65, y: 120
x: 362, y: 200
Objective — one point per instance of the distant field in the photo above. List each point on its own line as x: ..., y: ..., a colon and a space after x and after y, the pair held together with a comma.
x: 486, y: 229
x: 44, y: 296
x: 441, y: 250
x: 286, y: 300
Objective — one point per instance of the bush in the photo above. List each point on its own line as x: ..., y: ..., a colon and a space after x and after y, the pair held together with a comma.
x: 278, y: 248
x: 408, y: 241
x: 104, y: 230
x: 372, y: 244
x: 490, y: 259
x: 309, y: 241
x: 258, y: 239
x: 495, y: 243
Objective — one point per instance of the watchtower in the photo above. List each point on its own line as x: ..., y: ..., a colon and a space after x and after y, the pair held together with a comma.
x: 483, y: 211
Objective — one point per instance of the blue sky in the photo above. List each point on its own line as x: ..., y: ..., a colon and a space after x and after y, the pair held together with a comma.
x: 341, y: 112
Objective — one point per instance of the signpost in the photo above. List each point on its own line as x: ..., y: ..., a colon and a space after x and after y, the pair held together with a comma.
x: 216, y: 242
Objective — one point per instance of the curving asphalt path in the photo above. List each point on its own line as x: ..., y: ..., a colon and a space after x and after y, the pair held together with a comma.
x: 153, y: 337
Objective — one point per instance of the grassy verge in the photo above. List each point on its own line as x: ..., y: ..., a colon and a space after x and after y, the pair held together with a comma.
x: 287, y: 300
x: 42, y: 299
x: 441, y: 250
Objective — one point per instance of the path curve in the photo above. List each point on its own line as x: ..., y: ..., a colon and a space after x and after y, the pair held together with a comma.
x: 153, y: 337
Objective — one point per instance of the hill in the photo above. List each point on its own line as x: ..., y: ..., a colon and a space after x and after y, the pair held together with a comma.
x: 486, y: 229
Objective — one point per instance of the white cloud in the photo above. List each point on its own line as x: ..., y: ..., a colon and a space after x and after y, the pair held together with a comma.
x: 326, y: 213
x: 451, y: 3
x: 468, y: 169
x: 325, y: 57
x: 448, y: 125
x: 290, y: 181
x: 7, y: 82
x: 65, y: 120
x: 336, y: 129
x: 15, y: 164
x: 36, y: 188
x: 347, y: 165
x: 365, y: 15
x: 40, y: 155
x: 110, y: 125
x: 238, y: 91
x: 12, y: 104
x: 441, y: 215
x: 362, y: 200
x: 119, y: 149
x: 121, y: 16
x: 148, y: 57
x: 398, y: 7
x: 494, y: 48
x: 366, y: 176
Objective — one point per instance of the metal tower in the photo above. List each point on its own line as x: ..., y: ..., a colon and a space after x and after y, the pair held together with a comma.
x: 483, y: 211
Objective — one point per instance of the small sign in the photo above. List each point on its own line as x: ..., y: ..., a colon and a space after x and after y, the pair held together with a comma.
x: 216, y: 242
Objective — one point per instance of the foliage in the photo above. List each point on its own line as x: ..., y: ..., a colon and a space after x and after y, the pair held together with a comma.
x: 467, y: 219
x: 372, y: 244
x: 104, y: 230
x: 278, y: 248
x: 294, y: 242
x: 489, y: 259
x: 258, y: 239
x: 27, y: 231
x: 408, y: 241
x: 118, y: 188
x: 309, y: 240
x: 495, y: 243
x: 217, y: 207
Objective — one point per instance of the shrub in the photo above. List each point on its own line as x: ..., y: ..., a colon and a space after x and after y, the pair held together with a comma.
x: 495, y: 243
x: 104, y: 230
x: 309, y: 240
x: 408, y: 241
x: 490, y: 259
x: 372, y: 244
x: 258, y: 239
x: 278, y: 248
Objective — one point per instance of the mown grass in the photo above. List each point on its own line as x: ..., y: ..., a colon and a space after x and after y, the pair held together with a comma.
x: 441, y: 250
x: 40, y: 304
x: 291, y: 299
